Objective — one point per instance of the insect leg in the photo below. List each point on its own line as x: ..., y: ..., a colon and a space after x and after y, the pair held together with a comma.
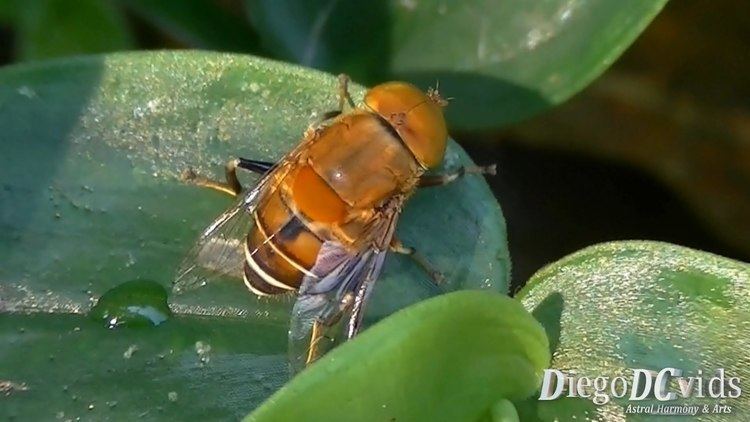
x: 317, y: 334
x: 322, y: 324
x: 255, y: 166
x: 232, y: 186
x: 445, y: 178
x: 344, y: 96
x: 326, y: 116
x: 398, y: 247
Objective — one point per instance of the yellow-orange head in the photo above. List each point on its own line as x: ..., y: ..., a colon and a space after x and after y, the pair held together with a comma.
x: 417, y: 117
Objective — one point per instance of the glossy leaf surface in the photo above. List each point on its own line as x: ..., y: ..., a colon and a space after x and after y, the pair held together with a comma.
x: 501, y: 61
x: 91, y: 198
x: 448, y: 358
x: 615, y: 307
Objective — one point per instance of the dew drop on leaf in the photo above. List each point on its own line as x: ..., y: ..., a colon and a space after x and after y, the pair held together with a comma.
x: 133, y: 303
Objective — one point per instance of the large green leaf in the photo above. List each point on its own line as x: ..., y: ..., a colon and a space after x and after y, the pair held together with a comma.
x: 55, y: 28
x: 618, y: 306
x: 91, y: 197
x: 66, y: 366
x: 198, y: 23
x: 448, y: 358
x: 502, y: 61
x: 8, y: 11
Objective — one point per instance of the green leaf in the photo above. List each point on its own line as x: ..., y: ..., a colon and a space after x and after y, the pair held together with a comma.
x: 338, y: 36
x: 90, y: 194
x: 448, y: 358
x: 618, y: 306
x: 55, y: 28
x: 501, y: 61
x: 8, y: 11
x: 503, y: 411
x: 63, y: 364
x: 198, y: 23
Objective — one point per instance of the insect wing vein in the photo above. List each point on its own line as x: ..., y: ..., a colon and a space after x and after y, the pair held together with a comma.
x: 218, y: 252
x: 338, y: 297
x: 220, y: 249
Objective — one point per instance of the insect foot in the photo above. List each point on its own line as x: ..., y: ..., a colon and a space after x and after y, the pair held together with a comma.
x: 188, y: 175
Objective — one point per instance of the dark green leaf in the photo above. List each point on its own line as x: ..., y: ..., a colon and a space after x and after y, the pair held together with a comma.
x: 198, y: 23
x: 8, y: 11
x: 502, y: 61
x: 338, y: 36
x: 54, y: 28
x: 448, y: 358
x: 90, y: 195
x: 624, y: 305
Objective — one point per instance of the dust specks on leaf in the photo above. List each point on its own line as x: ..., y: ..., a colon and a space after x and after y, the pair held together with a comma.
x: 8, y: 387
x: 130, y: 351
x: 203, y: 349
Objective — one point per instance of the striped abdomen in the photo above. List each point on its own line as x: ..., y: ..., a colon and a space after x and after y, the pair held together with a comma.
x: 279, y: 250
x: 354, y: 165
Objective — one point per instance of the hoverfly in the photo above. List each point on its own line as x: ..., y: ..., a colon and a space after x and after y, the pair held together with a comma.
x: 321, y: 219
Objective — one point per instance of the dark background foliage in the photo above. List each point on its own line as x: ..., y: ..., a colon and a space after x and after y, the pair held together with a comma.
x: 657, y: 148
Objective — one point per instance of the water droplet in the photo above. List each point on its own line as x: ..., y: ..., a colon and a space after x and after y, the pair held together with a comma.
x: 133, y: 303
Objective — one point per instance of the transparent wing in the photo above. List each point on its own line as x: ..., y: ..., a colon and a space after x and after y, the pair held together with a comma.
x: 219, y: 250
x: 330, y: 308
